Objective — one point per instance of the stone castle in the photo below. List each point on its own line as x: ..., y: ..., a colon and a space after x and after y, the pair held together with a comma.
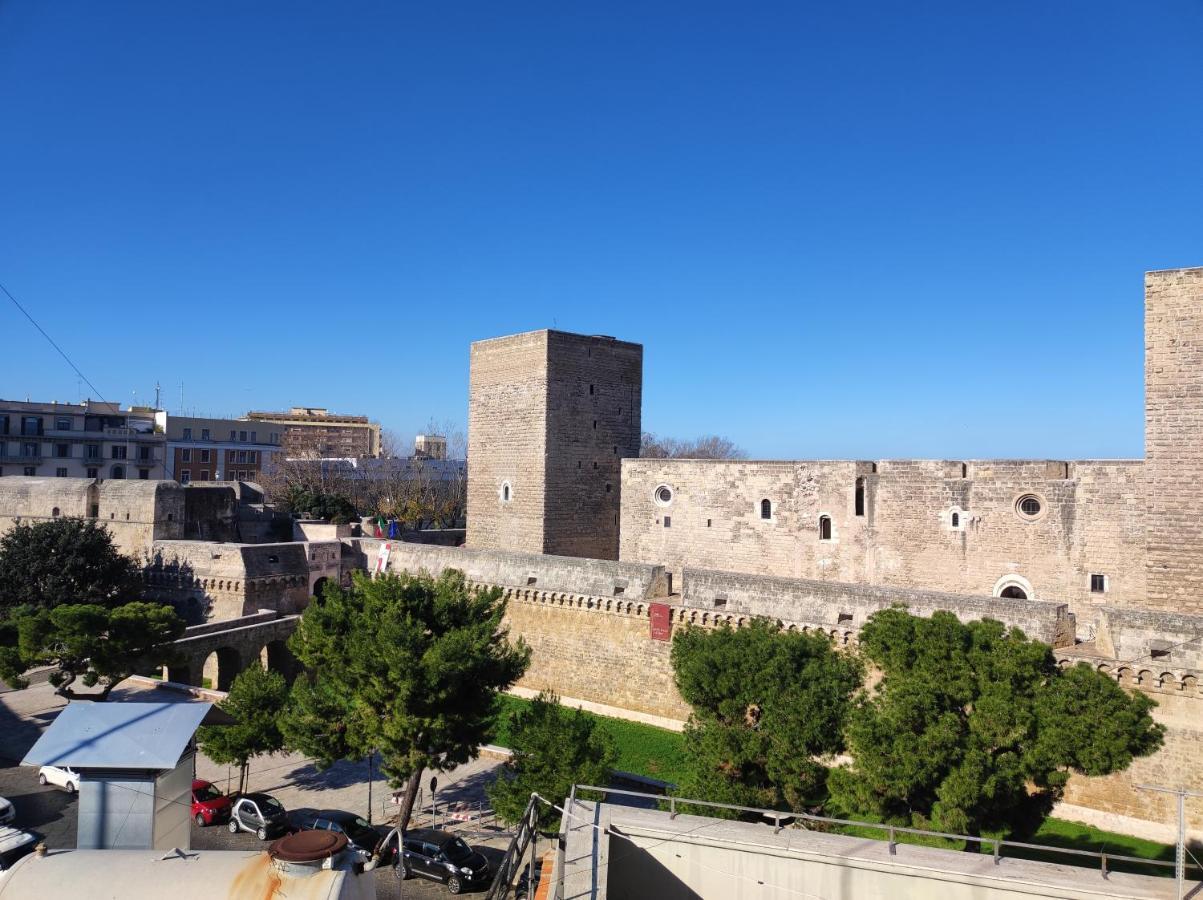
x: 602, y: 554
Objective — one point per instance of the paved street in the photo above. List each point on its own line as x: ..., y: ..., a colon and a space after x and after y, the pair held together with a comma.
x: 293, y: 780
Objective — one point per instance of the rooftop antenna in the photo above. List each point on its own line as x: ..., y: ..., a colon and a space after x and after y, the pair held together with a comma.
x: 158, y: 389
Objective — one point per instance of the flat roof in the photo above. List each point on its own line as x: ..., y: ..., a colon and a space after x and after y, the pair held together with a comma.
x: 111, y: 735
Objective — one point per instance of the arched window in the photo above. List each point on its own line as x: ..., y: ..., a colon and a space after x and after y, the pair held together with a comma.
x: 824, y: 528
x: 117, y: 472
x: 860, y: 496
x: 54, y: 512
x: 766, y: 509
x: 1013, y: 592
x: 506, y: 492
x: 956, y: 520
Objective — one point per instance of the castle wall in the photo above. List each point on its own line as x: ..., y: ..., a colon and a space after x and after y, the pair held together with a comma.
x: 1091, y: 521
x: 1174, y: 437
x: 507, y: 442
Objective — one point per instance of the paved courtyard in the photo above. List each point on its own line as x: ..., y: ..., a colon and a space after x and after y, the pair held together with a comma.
x: 294, y: 780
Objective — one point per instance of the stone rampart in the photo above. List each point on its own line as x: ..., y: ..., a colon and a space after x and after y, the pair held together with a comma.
x: 1147, y: 638
x: 848, y: 606
x: 575, y: 575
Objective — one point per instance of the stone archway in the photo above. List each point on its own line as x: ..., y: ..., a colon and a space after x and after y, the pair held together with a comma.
x: 1014, y: 587
x: 319, y: 586
x: 221, y: 667
x: 276, y: 657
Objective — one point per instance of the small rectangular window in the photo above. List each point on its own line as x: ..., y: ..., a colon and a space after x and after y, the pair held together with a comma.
x: 60, y: 473
x: 186, y: 456
x: 93, y: 473
x: 204, y: 434
x: 204, y: 456
x: 1098, y: 584
x: 233, y: 435
x: 144, y: 474
x: 242, y: 436
x: 187, y: 434
x: 62, y: 451
x: 707, y: 523
x: 62, y: 424
x: 204, y: 475
x: 668, y: 521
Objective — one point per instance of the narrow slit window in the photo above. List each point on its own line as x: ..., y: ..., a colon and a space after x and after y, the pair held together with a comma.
x: 766, y: 509
x: 824, y: 528
x: 860, y: 496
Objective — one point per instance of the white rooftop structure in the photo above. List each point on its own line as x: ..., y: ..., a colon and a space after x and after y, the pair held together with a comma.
x: 118, y: 735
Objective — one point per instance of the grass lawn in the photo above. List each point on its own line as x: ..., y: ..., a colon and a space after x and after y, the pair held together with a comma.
x: 659, y: 753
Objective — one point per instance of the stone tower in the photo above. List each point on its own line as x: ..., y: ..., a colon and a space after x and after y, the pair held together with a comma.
x: 1174, y: 438
x: 550, y: 417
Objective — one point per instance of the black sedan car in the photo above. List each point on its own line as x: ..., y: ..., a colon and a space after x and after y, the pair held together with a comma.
x: 360, y: 835
x: 442, y: 856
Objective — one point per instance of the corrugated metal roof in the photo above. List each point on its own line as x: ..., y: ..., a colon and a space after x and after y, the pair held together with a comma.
x: 118, y: 735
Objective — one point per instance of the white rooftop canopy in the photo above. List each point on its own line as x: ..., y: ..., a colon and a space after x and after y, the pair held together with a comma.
x: 118, y: 735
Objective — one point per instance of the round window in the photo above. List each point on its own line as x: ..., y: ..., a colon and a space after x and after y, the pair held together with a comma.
x: 664, y: 495
x: 1029, y: 506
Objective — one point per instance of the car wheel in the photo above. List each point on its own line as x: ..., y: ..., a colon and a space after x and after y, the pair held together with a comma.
x: 70, y: 787
x: 41, y: 779
x: 454, y: 885
x: 200, y: 820
x: 233, y: 826
x: 406, y: 872
x: 261, y: 833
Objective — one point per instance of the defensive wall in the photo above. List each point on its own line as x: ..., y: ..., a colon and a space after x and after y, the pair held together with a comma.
x: 592, y: 645
x: 942, y: 525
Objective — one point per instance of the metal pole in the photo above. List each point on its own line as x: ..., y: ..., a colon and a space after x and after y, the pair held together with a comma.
x: 1180, y: 849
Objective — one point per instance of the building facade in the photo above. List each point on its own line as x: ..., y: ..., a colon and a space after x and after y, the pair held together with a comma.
x: 317, y: 433
x: 550, y: 417
x: 220, y: 449
x: 81, y: 440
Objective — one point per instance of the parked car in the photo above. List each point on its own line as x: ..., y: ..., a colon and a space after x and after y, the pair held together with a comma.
x: 14, y: 843
x: 442, y: 856
x: 262, y: 814
x: 65, y: 777
x: 7, y: 814
x: 360, y: 835
x: 209, y: 805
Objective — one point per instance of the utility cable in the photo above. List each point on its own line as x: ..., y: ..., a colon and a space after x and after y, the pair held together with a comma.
x: 61, y: 353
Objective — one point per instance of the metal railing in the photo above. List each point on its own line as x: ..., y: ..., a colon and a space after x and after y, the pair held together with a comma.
x: 890, y: 831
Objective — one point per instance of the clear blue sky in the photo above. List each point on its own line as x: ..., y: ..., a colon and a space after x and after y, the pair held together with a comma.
x: 839, y: 229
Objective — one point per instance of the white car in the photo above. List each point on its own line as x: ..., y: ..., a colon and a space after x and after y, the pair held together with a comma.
x: 7, y: 813
x: 65, y: 778
x: 14, y: 844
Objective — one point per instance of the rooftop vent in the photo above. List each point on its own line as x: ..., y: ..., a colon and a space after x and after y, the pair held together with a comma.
x: 308, y: 846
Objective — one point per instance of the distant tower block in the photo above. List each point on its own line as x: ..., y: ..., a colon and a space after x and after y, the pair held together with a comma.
x: 550, y: 417
x: 1174, y: 438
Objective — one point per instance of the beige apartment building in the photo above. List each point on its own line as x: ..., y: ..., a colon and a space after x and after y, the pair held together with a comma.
x: 316, y: 433
x: 202, y: 449
x: 81, y: 440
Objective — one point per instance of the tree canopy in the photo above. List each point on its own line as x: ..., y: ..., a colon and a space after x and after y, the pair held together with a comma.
x: 89, y: 643
x: 554, y: 748
x: 61, y: 561
x: 405, y: 665
x: 256, y: 701
x: 766, y: 705
x: 324, y: 505
x: 709, y: 446
x: 974, y: 729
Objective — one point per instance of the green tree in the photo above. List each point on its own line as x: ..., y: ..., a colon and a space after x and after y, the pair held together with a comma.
x: 554, y: 748
x: 767, y: 704
x: 256, y: 702
x: 324, y: 505
x: 89, y: 643
x: 973, y: 729
x: 63, y: 561
x: 405, y: 666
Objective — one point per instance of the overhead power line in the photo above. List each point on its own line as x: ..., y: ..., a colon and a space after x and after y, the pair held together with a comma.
x: 61, y: 353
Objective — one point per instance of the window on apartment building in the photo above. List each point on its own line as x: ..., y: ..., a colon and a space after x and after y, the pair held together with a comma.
x: 3, y: 424
x: 233, y: 435
x: 242, y: 436
x: 117, y: 472
x: 93, y: 472
x: 254, y: 437
x: 1098, y: 584
x: 766, y: 509
x: 252, y: 456
x: 62, y: 423
x: 31, y: 470
x: 118, y: 451
x: 187, y: 434
x: 145, y: 453
x: 204, y: 456
x: 204, y: 475
x: 144, y: 474
x: 824, y: 528
x: 31, y: 450
x: 92, y: 451
x: 185, y: 456
x: 62, y: 451
x: 241, y: 456
x: 31, y: 425
x: 185, y: 477
x: 204, y: 434
x: 860, y: 496
x: 60, y: 472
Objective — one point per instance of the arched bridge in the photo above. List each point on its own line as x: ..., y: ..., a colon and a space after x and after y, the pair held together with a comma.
x: 217, y: 651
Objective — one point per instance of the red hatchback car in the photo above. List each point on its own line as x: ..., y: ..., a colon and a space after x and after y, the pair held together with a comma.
x: 209, y: 805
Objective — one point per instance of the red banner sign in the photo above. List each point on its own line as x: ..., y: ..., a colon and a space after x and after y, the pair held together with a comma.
x: 662, y: 622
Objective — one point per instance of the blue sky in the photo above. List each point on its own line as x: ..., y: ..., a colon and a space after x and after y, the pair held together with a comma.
x: 840, y: 229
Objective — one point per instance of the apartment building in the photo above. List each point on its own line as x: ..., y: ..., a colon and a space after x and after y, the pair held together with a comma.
x: 316, y: 433
x: 220, y: 449
x: 81, y: 440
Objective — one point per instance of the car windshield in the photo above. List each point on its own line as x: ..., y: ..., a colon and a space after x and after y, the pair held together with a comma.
x: 457, y: 850
x: 270, y: 805
x: 358, y: 828
x: 208, y: 792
